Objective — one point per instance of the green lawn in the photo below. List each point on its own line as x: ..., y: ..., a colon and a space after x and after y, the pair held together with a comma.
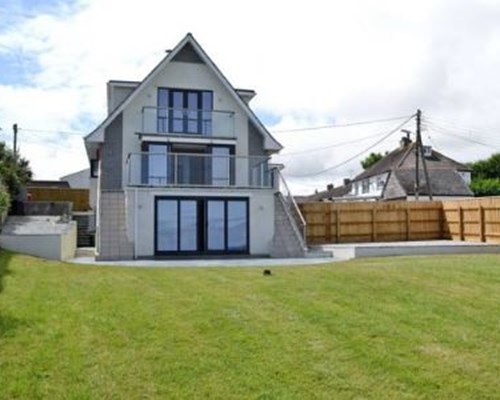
x: 387, y: 328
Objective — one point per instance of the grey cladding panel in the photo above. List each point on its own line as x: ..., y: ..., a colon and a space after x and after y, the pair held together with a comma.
x: 255, y: 141
x: 188, y: 54
x: 111, y: 163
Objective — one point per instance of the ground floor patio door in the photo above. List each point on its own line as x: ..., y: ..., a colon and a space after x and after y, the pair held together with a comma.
x: 201, y: 226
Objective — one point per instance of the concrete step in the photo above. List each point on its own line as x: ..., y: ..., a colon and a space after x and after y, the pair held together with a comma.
x: 85, y: 252
x: 313, y: 252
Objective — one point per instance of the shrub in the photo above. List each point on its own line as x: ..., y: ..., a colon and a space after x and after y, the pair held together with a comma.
x: 4, y: 200
x: 486, y: 187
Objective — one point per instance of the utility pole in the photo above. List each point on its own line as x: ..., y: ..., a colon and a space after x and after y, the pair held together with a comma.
x: 420, y: 153
x: 14, y: 128
x: 417, y: 154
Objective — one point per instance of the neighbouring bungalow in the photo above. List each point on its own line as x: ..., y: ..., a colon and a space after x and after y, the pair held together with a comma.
x: 394, y: 178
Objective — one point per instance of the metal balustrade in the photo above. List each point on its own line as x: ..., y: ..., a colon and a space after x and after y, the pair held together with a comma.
x: 175, y: 121
x: 186, y: 169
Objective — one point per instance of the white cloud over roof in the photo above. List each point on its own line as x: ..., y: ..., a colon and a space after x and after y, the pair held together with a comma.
x: 311, y: 63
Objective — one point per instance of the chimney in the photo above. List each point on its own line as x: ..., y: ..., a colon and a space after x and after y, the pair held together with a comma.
x: 346, y: 181
x: 405, y: 141
x: 329, y: 187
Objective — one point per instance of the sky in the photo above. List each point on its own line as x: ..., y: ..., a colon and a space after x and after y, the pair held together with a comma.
x: 313, y: 64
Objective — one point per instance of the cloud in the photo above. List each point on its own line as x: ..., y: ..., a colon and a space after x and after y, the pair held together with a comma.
x: 312, y: 63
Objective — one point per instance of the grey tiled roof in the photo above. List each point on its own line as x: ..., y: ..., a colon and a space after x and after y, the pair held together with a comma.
x: 404, y: 158
x: 444, y: 182
x: 326, y: 194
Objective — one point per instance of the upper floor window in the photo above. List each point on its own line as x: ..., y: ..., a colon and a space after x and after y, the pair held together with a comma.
x: 380, y: 183
x: 94, y: 168
x: 365, y: 186
x: 185, y: 111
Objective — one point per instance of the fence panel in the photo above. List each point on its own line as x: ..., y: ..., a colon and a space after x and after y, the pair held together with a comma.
x: 476, y: 220
x: 372, y: 222
x: 472, y: 220
x: 79, y: 197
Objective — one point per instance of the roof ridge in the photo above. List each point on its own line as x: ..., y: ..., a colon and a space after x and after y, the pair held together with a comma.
x: 189, y: 38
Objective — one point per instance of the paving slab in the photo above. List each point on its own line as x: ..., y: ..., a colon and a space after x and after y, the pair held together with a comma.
x: 428, y: 247
x: 200, y: 263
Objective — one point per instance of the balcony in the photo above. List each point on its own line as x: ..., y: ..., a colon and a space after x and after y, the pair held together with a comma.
x: 175, y: 121
x: 198, y: 170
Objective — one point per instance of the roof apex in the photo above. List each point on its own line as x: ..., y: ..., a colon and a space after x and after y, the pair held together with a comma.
x: 97, y: 134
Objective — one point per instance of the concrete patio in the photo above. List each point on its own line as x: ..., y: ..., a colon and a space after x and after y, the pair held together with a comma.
x: 341, y: 252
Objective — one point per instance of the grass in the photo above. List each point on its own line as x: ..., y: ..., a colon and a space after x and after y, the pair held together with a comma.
x: 387, y: 328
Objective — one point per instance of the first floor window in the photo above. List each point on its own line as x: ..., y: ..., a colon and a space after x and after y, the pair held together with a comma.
x: 365, y: 186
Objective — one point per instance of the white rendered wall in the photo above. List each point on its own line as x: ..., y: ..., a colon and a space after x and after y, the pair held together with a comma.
x: 183, y: 76
x: 261, y: 216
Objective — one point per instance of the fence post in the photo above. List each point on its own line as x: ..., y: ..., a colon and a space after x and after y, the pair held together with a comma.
x: 441, y: 222
x: 337, y: 225
x: 407, y: 212
x: 460, y: 223
x: 482, y: 227
x: 374, y: 224
x: 328, y: 223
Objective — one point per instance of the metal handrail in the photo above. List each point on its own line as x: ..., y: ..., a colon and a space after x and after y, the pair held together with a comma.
x: 293, y: 207
x: 187, y: 109
x: 257, y: 175
x: 207, y: 122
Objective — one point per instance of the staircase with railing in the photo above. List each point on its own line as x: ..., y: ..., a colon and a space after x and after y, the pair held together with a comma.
x: 290, y: 227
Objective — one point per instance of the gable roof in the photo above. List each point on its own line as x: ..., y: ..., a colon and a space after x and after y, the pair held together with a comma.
x: 328, y: 194
x: 443, y: 182
x: 404, y: 158
x: 182, y: 52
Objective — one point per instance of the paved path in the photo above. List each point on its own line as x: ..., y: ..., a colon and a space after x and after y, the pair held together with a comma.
x: 244, y: 262
x: 341, y: 252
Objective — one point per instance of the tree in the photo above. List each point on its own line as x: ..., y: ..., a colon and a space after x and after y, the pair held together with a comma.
x: 4, y: 200
x: 372, y: 159
x: 489, y: 168
x: 486, y: 176
x: 14, y: 170
x: 485, y: 187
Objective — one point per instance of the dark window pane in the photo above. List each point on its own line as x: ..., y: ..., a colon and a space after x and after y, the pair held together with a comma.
x: 206, y: 101
x: 167, y: 225
x: 221, y: 162
x: 215, y: 225
x: 237, y: 225
x: 206, y: 115
x: 94, y: 168
x: 176, y: 111
x: 189, y: 228
x: 157, y: 164
x: 190, y: 169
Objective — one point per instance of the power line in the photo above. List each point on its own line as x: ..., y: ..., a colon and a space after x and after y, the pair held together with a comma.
x: 330, y: 147
x: 460, y: 127
x: 356, y: 155
x: 51, y: 131
x: 449, y: 132
x: 315, y: 128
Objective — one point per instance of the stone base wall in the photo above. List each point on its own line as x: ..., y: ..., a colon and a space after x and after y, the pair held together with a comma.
x: 114, y: 243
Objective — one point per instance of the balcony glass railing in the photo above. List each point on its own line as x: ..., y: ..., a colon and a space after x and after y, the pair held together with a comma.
x: 158, y: 120
x: 182, y: 169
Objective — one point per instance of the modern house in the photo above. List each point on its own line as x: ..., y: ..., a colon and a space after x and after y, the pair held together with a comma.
x: 394, y: 177
x: 182, y: 167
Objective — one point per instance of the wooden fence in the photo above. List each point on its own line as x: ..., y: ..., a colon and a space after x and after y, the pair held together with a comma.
x: 477, y: 219
x: 79, y: 197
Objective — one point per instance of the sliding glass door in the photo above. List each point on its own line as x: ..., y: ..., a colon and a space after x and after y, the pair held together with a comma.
x: 177, y: 226
x: 201, y: 225
x: 185, y: 111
